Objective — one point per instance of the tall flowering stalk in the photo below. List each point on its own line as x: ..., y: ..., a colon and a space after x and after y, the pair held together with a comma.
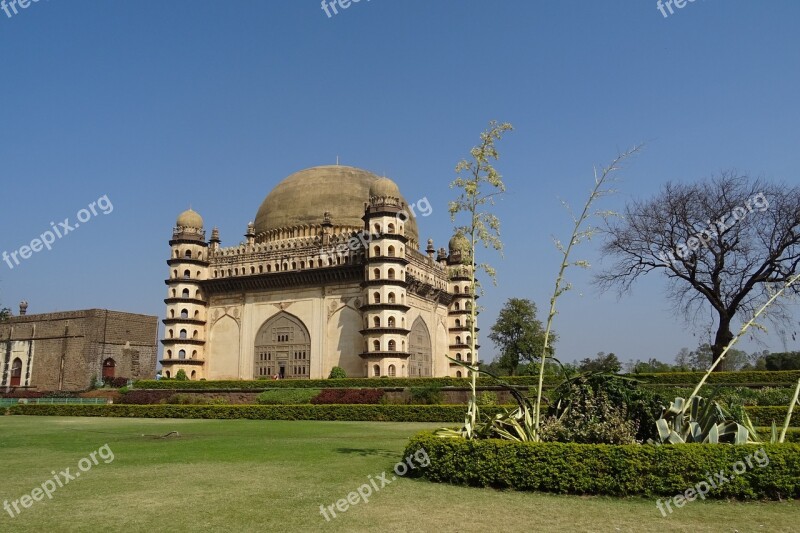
x: 579, y: 234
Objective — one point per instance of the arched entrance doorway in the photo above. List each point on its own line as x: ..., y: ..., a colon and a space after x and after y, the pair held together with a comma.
x: 283, y: 348
x: 16, y: 372
x: 421, y: 361
x: 109, y: 366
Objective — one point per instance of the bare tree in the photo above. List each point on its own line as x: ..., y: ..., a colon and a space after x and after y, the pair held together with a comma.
x: 721, y: 243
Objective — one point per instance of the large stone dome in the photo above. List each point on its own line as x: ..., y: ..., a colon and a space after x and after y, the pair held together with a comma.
x: 303, y: 198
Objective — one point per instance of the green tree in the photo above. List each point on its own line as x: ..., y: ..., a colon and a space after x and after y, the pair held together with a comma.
x: 180, y: 375
x: 518, y: 334
x: 479, y: 184
x: 602, y: 363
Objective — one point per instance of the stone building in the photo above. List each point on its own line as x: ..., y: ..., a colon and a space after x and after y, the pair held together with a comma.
x: 65, y: 351
x: 329, y: 274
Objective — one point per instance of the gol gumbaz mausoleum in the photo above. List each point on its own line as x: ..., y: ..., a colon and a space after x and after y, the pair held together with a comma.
x: 330, y: 274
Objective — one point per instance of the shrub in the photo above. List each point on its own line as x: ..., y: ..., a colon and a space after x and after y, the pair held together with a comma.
x: 371, y: 413
x: 430, y: 395
x: 626, y: 470
x: 286, y: 396
x: 144, y: 397
x: 348, y: 396
x: 589, y: 417
x: 607, y: 394
x: 115, y: 382
x: 337, y: 372
x: 487, y: 398
x: 180, y: 375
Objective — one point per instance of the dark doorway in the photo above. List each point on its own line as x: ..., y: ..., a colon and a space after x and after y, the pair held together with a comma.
x: 16, y: 372
x: 108, y: 369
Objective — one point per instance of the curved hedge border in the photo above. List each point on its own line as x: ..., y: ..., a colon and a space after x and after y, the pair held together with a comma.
x: 368, y: 413
x: 627, y: 470
x: 783, y: 377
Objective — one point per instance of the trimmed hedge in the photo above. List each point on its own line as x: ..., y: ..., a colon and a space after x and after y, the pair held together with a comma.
x: 372, y: 383
x: 625, y: 470
x: 761, y: 378
x: 749, y: 377
x: 348, y: 396
x: 367, y: 413
x: 765, y: 415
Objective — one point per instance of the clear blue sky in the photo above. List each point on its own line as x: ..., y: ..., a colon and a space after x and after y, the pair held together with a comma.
x: 160, y: 105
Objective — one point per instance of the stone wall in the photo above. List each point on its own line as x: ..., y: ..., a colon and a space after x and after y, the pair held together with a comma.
x: 68, y: 349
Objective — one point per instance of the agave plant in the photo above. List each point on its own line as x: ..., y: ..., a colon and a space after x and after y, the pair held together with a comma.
x: 514, y: 425
x: 702, y: 420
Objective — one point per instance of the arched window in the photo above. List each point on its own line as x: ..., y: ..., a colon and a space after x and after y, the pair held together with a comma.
x: 185, y: 293
x: 376, y: 297
x: 174, y: 273
x: 458, y: 322
x: 376, y: 273
x: 391, y: 273
x: 174, y: 293
x: 197, y: 295
x: 188, y: 254
x: 184, y: 313
x: 169, y: 354
x: 183, y: 334
x: 458, y: 373
x: 376, y: 371
x: 269, y: 268
x: 376, y: 322
x: 469, y: 358
x: 458, y: 357
x: 182, y: 354
x: 376, y: 251
x: 194, y: 374
x: 391, y: 251
x: 194, y: 354
x: 195, y: 334
x: 469, y: 339
x: 391, y: 371
x: 457, y: 306
x: 390, y: 228
x: 391, y: 322
x: 378, y: 229
x: 108, y: 368
x: 187, y: 274
x: 167, y: 374
x: 16, y: 372
x: 391, y: 298
x: 455, y: 289
x: 172, y: 313
x: 170, y: 333
x: 376, y: 346
x: 392, y: 346
x: 468, y: 306
x: 458, y: 339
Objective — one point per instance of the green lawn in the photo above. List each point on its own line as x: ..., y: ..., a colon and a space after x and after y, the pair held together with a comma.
x: 244, y: 475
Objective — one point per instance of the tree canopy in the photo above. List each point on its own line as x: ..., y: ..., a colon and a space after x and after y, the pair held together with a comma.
x: 723, y: 245
x: 518, y: 334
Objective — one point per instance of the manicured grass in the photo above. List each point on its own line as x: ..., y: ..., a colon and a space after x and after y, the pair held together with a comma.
x: 251, y: 475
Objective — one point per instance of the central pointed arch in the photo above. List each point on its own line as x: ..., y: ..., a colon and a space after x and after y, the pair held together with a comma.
x: 283, y: 348
x: 421, y: 362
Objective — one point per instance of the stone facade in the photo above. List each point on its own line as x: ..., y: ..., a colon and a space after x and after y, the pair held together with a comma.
x: 330, y: 274
x: 64, y: 351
